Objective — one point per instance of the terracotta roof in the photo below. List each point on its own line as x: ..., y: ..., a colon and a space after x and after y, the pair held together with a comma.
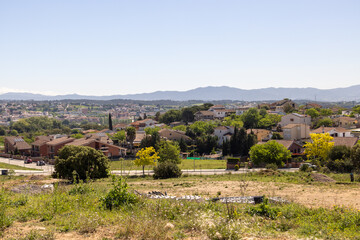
x: 41, y: 140
x: 345, y: 141
x: 328, y: 129
x: 60, y: 141
x: 286, y: 143
x: 81, y: 142
x: 205, y: 113
x: 18, y: 142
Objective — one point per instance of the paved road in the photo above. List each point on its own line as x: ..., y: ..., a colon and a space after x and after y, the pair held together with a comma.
x: 41, y: 170
x: 48, y: 169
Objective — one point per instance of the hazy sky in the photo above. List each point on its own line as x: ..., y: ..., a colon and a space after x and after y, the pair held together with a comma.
x: 108, y: 47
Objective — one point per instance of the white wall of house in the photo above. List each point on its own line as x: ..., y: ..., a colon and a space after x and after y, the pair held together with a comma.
x: 295, y: 119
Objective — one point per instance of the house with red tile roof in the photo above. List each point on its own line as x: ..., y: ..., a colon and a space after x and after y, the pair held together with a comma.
x: 16, y: 144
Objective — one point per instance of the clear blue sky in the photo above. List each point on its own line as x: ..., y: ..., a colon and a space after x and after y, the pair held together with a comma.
x: 119, y: 47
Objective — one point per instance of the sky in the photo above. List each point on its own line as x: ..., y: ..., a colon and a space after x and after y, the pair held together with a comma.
x: 112, y: 47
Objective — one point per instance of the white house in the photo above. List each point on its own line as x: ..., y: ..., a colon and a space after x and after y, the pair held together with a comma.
x: 223, y: 133
x: 334, y: 131
x: 296, y: 131
x: 295, y: 118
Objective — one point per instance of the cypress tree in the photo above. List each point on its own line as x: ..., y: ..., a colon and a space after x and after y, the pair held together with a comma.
x: 110, y: 122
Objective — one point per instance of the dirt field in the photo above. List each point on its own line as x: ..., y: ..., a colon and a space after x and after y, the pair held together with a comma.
x: 315, y: 195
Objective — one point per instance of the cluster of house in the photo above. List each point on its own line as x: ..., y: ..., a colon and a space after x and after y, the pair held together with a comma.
x: 49, y: 146
x: 296, y: 131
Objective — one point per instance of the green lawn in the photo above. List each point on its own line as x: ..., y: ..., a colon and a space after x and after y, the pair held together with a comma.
x: 185, y: 164
x: 15, y: 167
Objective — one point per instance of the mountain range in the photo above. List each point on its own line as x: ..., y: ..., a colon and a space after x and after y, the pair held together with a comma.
x: 213, y: 93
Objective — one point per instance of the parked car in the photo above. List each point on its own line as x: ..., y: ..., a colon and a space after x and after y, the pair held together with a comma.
x: 28, y: 160
x: 40, y: 163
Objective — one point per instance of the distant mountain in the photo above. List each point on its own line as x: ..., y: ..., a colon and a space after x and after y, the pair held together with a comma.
x: 213, y: 93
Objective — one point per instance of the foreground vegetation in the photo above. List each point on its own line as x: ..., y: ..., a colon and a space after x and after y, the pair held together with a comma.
x: 15, y: 167
x: 185, y: 164
x: 82, y: 209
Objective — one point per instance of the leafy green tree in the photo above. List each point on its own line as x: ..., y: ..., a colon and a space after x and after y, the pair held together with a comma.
x: 152, y: 140
x: 201, y: 128
x: 170, y: 116
x: 312, y: 112
x: 233, y: 121
x: 325, y: 122
x: 183, y: 145
x: 169, y: 152
x: 270, y: 152
x: 339, y: 152
x: 180, y: 128
x: 326, y: 112
x: 77, y: 136
x: 355, y: 156
x: 86, y: 162
x: 14, y: 133
x: 119, y: 136
x: 187, y: 115
x: 251, y: 118
x: 146, y: 156
x: 205, y: 144
x: 151, y: 130
x: 276, y: 135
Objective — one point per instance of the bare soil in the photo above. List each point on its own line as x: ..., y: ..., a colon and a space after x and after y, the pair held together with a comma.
x: 311, y: 195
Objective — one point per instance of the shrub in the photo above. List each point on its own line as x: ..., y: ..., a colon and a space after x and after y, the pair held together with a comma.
x: 340, y: 165
x: 167, y: 170
x: 305, y: 168
x: 118, y: 195
x: 85, y: 161
x: 272, y: 166
x: 264, y: 210
x: 236, y: 167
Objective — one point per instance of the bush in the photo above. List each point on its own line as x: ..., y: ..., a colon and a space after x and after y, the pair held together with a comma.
x: 85, y: 161
x: 167, y: 170
x: 340, y: 165
x: 118, y: 195
x: 236, y: 167
x: 272, y: 166
x: 305, y: 168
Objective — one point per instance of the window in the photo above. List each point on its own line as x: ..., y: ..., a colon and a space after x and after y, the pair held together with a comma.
x: 291, y: 119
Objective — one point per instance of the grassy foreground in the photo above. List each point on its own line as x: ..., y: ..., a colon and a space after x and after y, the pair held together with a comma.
x: 185, y: 164
x: 78, y: 210
x: 15, y: 167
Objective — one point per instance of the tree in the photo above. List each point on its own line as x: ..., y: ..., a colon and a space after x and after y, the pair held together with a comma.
x: 355, y: 156
x: 226, y: 148
x: 83, y: 161
x: 326, y: 112
x: 339, y: 152
x: 325, y: 122
x: 270, y: 152
x: 110, y: 122
x: 251, y: 118
x: 319, y: 147
x: 169, y: 152
x: 119, y: 136
x: 130, y: 135
x: 146, y: 156
x: 187, y: 115
x: 2, y: 131
x: 170, y: 116
x: 182, y: 145
x: 312, y: 112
